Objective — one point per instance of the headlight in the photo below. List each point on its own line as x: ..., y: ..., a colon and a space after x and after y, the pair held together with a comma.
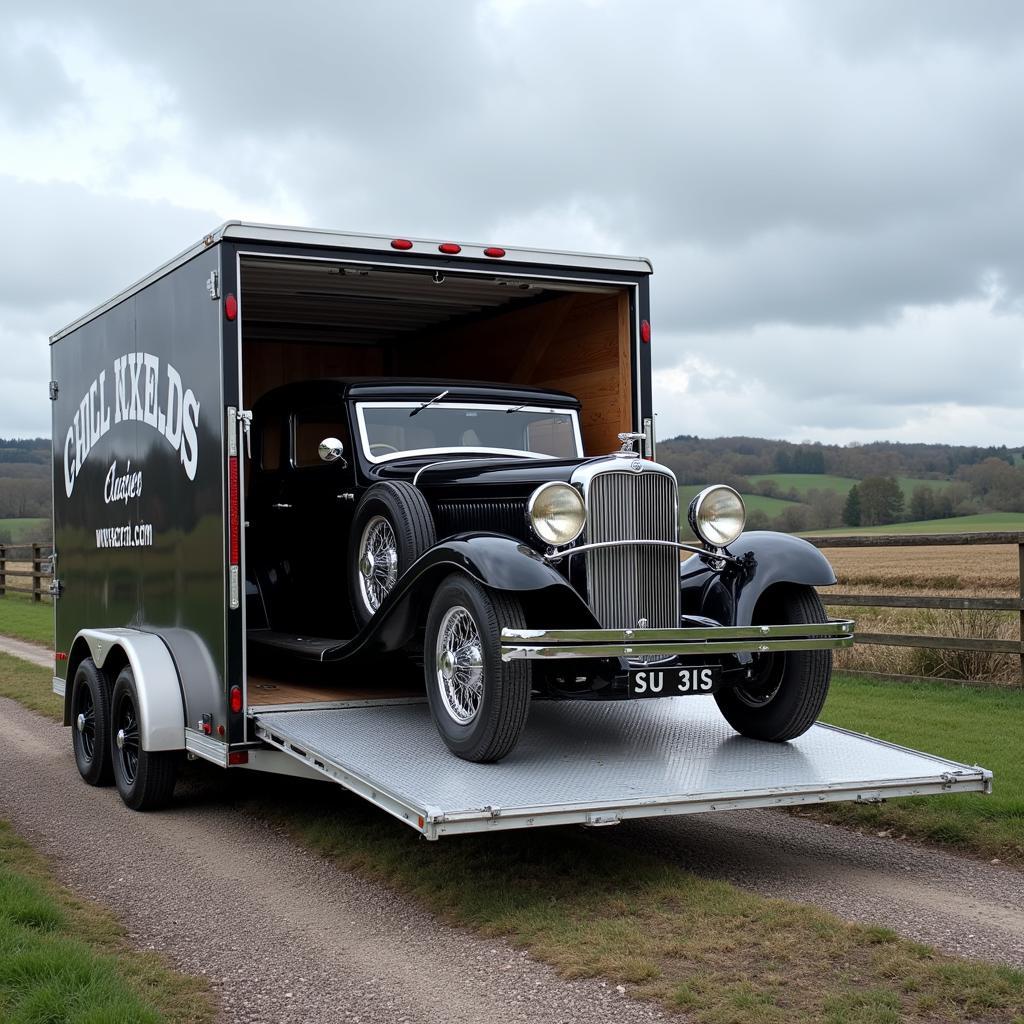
x: 556, y: 513
x: 717, y: 515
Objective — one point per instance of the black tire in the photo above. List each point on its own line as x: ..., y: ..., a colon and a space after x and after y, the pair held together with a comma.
x: 90, y: 724
x: 145, y: 778
x: 406, y: 514
x: 789, y: 688
x: 503, y: 702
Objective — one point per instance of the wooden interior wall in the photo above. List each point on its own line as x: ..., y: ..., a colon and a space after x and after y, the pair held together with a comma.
x: 576, y: 343
x: 267, y: 364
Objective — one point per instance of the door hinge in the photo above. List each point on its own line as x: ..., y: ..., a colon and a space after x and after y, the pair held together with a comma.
x: 56, y: 588
x: 213, y: 284
x: 54, y: 389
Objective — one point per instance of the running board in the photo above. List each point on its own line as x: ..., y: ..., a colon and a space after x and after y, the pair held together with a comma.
x: 599, y: 763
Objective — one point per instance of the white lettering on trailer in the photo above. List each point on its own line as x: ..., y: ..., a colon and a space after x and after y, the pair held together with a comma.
x: 137, y: 398
x: 122, y: 488
x: 131, y: 535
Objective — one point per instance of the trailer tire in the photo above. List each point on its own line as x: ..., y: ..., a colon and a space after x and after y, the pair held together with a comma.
x: 790, y: 687
x: 391, y: 528
x: 463, y: 638
x: 145, y: 778
x: 90, y: 724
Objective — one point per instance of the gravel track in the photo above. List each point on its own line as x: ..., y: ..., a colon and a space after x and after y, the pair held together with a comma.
x: 305, y: 941
x: 282, y: 934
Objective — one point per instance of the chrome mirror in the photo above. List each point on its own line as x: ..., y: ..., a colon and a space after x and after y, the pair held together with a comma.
x: 330, y: 449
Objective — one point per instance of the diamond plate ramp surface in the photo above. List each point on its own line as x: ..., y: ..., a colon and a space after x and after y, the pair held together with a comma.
x: 600, y: 754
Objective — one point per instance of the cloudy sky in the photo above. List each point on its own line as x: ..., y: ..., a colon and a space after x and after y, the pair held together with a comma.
x: 832, y: 193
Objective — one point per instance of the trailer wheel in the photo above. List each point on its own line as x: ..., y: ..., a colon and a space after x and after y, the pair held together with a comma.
x: 145, y: 778
x: 90, y: 724
x: 391, y: 528
x: 478, y: 702
x: 788, y: 689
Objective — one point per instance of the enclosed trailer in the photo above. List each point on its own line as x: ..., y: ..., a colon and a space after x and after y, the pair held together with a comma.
x: 155, y: 566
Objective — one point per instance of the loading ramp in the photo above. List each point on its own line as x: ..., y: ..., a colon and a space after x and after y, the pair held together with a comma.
x: 597, y: 764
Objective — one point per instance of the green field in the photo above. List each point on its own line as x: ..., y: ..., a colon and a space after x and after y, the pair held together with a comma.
x: 971, y: 725
x: 754, y: 502
x: 26, y: 619
x: 23, y: 531
x: 803, y: 482
x: 985, y: 522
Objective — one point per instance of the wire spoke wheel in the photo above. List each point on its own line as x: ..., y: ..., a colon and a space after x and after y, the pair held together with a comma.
x: 459, y: 664
x: 378, y: 562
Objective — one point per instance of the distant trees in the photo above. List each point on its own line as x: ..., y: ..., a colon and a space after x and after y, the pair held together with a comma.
x: 851, y: 510
x: 881, y: 501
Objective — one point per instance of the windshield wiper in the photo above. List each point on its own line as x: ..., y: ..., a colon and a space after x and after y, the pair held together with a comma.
x: 427, y: 405
x: 518, y: 408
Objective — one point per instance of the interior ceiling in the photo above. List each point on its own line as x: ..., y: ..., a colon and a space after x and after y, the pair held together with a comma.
x: 294, y: 300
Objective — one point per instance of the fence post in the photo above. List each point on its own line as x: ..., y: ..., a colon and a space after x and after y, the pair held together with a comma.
x: 37, y: 568
x: 3, y: 569
x: 1020, y: 592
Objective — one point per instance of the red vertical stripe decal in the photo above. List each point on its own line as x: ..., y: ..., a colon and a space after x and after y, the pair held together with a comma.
x: 234, y: 542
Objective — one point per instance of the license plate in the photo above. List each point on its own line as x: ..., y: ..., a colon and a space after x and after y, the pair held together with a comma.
x: 673, y: 682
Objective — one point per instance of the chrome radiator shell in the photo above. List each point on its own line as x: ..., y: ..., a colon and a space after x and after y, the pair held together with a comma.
x: 629, y: 500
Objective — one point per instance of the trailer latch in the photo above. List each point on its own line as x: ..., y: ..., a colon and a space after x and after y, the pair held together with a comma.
x: 213, y: 284
x: 54, y: 390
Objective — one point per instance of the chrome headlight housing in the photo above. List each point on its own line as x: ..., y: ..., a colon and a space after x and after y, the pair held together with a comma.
x: 556, y: 513
x: 717, y: 515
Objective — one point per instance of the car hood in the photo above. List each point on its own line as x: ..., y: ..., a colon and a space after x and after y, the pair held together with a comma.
x: 476, y: 478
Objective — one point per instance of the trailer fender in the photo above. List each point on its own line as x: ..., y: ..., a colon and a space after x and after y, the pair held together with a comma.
x: 161, y: 705
x: 730, y: 597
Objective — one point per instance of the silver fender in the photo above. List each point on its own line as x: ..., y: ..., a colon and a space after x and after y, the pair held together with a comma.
x: 161, y: 708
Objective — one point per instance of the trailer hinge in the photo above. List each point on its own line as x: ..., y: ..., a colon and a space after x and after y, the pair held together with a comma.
x: 56, y: 588
x: 54, y: 389
x: 213, y: 284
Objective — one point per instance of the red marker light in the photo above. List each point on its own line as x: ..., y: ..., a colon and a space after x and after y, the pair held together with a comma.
x: 236, y: 699
x: 645, y: 331
x: 238, y: 757
x: 401, y: 243
x: 231, y: 307
x: 449, y: 248
x: 234, y: 512
x: 61, y: 655
x: 494, y: 251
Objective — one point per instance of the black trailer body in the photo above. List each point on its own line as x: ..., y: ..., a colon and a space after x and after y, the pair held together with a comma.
x: 149, y: 423
x: 153, y: 454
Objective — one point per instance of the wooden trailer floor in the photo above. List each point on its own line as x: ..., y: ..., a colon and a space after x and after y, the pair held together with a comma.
x: 267, y: 691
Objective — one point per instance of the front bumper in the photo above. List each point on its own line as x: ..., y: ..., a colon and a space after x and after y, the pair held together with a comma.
x: 552, y: 644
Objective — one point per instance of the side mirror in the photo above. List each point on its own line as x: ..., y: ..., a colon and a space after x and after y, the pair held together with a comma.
x: 330, y: 449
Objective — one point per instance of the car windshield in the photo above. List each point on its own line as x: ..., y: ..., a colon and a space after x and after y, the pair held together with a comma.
x: 389, y: 430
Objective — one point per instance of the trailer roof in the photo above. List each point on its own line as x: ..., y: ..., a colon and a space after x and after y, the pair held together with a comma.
x: 417, y: 248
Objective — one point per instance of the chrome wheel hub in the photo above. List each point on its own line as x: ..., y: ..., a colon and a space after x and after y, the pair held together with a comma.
x: 80, y: 723
x: 377, y: 563
x: 459, y: 661
x: 120, y: 739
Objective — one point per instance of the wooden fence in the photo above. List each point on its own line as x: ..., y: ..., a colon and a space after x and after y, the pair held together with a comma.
x: 38, y: 577
x: 949, y: 643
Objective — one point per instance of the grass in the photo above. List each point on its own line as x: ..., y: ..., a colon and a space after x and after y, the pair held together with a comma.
x: 803, y: 482
x: 984, y: 522
x: 25, y: 531
x: 754, y: 502
x: 65, y: 960
x: 593, y: 906
x: 26, y: 619
x: 970, y: 725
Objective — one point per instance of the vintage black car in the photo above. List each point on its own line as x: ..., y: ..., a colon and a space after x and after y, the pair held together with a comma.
x: 462, y: 524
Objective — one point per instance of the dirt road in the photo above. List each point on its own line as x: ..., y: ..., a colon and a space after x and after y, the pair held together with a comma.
x: 286, y: 936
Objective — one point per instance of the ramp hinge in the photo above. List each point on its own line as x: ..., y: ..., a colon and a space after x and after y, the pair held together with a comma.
x: 213, y: 284
x: 54, y: 389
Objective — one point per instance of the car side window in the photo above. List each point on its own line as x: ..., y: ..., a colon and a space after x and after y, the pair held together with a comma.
x: 310, y: 428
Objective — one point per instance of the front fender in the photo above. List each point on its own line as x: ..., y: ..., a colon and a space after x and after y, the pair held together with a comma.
x: 730, y: 596
x: 493, y: 560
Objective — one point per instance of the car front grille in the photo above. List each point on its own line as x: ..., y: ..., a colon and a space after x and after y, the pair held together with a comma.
x: 630, y: 582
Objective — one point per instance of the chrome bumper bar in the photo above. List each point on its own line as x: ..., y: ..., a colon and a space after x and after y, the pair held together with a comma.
x: 520, y: 644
